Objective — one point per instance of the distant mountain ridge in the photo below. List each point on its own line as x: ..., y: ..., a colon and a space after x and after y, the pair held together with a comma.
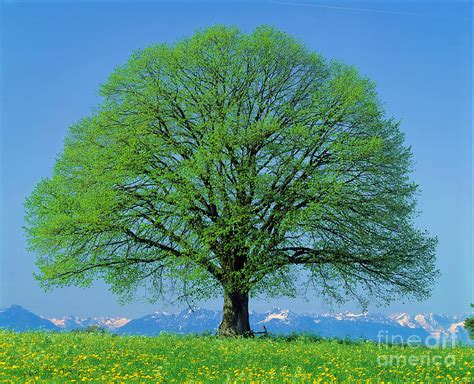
x: 278, y: 321
x: 71, y: 322
x: 19, y: 319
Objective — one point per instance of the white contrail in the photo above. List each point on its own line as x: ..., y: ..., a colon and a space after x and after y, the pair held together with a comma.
x: 344, y: 8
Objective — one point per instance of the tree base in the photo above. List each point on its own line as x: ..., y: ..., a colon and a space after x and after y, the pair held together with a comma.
x: 235, y: 317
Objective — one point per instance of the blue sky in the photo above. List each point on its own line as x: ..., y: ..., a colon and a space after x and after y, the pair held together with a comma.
x: 54, y: 55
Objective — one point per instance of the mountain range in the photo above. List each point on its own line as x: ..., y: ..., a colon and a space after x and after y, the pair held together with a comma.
x: 276, y: 321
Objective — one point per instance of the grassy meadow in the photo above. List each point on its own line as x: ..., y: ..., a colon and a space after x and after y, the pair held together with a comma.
x: 92, y: 357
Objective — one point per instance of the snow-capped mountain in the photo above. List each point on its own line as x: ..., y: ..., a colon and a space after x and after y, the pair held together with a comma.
x: 186, y: 321
x: 438, y: 325
x: 277, y: 321
x: 70, y: 323
x: 19, y: 319
x: 341, y: 325
x: 284, y: 321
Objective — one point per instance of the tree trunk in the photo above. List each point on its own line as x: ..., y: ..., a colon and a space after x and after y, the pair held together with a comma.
x: 235, y: 317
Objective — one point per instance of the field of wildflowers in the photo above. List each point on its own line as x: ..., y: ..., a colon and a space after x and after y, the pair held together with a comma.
x: 89, y: 357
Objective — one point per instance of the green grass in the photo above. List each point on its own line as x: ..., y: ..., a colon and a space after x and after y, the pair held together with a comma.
x: 89, y: 357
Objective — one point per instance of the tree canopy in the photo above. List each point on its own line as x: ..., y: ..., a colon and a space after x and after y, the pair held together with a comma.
x: 236, y: 164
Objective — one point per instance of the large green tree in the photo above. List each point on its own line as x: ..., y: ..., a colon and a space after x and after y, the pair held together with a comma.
x: 235, y: 165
